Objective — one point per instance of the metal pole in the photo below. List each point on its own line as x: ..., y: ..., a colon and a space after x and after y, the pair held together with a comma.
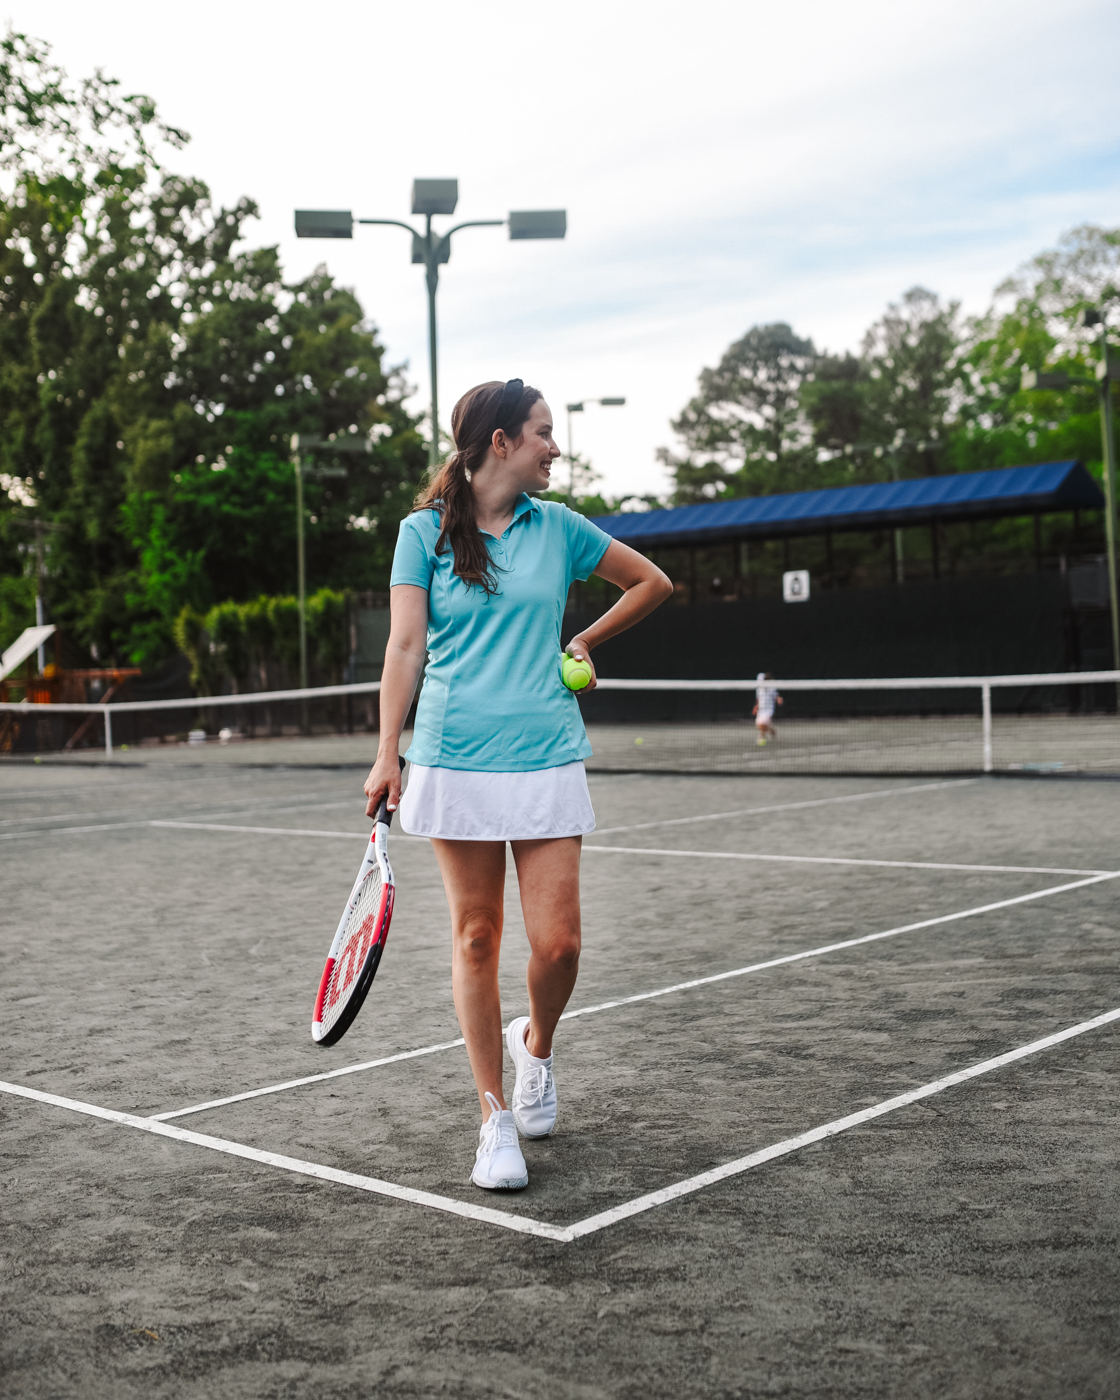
x: 301, y: 572
x: 108, y: 733
x: 986, y: 706
x: 899, y: 567
x: 571, y: 459
x: 1108, y: 441
x: 433, y: 283
x: 39, y: 589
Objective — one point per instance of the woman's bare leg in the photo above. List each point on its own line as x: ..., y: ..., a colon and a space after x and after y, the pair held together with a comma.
x: 548, y: 876
x: 474, y: 875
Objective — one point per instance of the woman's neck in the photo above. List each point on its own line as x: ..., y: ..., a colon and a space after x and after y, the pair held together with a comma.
x: 494, y: 502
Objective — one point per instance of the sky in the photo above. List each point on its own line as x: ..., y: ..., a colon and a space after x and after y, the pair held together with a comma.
x: 722, y: 164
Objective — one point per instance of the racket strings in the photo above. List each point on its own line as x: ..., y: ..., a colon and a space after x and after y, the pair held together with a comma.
x: 362, y: 930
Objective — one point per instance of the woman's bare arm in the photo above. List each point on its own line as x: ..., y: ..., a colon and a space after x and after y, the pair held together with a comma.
x: 404, y: 660
x: 644, y: 588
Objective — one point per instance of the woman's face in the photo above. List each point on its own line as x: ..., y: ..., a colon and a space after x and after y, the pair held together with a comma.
x: 531, y: 457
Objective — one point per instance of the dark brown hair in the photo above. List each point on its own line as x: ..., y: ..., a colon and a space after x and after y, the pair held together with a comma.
x: 473, y: 424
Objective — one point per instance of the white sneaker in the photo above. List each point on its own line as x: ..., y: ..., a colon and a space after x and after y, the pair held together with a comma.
x: 498, y: 1163
x: 534, y: 1089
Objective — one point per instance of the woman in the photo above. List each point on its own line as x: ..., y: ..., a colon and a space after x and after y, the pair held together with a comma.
x: 480, y: 579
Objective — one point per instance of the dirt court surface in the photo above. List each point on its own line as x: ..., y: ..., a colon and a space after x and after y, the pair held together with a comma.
x: 165, y: 918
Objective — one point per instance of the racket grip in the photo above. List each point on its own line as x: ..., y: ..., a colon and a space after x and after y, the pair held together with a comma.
x: 384, y: 816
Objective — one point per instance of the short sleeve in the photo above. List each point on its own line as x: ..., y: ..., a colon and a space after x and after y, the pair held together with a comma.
x: 413, y: 560
x: 586, y: 544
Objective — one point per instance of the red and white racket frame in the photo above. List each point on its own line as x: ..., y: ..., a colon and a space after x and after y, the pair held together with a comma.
x: 377, y: 853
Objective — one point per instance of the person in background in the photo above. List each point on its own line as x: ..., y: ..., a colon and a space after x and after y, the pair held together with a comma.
x: 766, y: 697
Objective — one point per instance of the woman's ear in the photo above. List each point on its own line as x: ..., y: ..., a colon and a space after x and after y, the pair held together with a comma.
x: 499, y: 443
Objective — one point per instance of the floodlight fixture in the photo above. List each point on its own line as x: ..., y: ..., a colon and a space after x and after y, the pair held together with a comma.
x: 538, y: 223
x: 434, y: 196
x: 431, y: 249
x: 324, y: 223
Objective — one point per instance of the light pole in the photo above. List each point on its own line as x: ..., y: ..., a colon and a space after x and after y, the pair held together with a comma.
x: 1107, y: 373
x: 579, y: 408
x: 303, y: 448
x: 430, y: 198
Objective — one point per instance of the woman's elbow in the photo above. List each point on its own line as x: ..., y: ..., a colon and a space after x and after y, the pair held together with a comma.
x: 663, y: 585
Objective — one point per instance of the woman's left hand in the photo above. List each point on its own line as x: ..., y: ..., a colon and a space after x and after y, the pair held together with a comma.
x: 578, y: 650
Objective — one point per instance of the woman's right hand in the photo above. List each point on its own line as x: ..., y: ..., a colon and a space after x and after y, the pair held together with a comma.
x: 384, y: 777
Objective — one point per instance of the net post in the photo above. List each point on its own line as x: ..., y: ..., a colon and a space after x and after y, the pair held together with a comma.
x: 108, y: 733
x: 986, y: 707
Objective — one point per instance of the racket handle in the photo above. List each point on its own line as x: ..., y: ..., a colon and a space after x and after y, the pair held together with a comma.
x: 384, y: 816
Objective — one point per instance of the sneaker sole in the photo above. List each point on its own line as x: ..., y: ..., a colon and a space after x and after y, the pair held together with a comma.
x: 510, y: 1184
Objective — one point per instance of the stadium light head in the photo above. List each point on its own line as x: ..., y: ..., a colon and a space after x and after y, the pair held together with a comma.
x: 575, y: 408
x: 434, y: 196
x: 1089, y: 316
x: 324, y: 223
x: 612, y: 403
x: 538, y: 223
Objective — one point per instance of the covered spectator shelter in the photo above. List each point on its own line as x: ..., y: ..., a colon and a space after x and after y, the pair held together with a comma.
x: 1011, y: 491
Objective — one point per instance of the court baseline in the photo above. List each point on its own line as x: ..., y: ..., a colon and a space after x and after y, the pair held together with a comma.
x: 526, y: 1225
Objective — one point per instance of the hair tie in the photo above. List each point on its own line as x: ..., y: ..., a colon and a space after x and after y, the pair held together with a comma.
x: 511, y: 397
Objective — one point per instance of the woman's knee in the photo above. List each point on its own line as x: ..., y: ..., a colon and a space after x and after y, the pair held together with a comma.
x: 560, y: 952
x: 478, y: 936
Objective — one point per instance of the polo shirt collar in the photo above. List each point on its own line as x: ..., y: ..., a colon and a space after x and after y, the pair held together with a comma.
x: 523, y: 505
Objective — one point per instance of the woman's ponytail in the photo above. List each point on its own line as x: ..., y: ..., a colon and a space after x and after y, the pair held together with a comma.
x: 449, y: 490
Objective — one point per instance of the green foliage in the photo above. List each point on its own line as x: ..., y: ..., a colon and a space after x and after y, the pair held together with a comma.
x: 17, y: 606
x: 928, y: 393
x: 152, y: 372
x: 283, y: 614
x: 744, y: 432
x: 225, y: 623
x: 1033, y: 325
x: 193, y: 639
x: 326, y: 629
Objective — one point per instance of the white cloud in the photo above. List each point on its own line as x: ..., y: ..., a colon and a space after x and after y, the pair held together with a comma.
x: 722, y: 163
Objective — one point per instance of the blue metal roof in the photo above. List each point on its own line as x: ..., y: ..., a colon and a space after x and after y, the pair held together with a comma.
x: 1010, y: 491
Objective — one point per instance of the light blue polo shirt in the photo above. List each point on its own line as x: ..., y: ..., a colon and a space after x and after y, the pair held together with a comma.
x: 493, y: 700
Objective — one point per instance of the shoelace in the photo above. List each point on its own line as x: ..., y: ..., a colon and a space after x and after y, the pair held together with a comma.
x: 535, y: 1085
x: 500, y: 1129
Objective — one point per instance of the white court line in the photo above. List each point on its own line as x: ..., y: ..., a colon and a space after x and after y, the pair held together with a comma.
x: 650, y: 996
x: 148, y: 821
x: 594, y: 1223
x: 522, y: 1224
x: 788, y: 806
x: 311, y: 1079
x: 526, y: 1225
x: 283, y: 831
x: 848, y: 860
x: 656, y: 851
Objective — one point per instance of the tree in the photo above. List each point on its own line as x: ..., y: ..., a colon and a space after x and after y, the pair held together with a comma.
x: 891, y: 411
x: 1032, y: 324
x: 152, y: 371
x: 909, y: 355
x: 744, y: 432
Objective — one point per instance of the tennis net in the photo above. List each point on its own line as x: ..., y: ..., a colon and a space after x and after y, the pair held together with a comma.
x: 1056, y: 723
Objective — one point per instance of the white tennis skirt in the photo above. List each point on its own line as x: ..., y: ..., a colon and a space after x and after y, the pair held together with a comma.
x: 456, y: 804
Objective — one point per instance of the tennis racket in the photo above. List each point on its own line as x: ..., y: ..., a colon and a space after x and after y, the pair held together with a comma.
x: 359, y: 940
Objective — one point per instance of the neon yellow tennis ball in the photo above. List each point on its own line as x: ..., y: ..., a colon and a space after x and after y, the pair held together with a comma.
x: 576, y: 674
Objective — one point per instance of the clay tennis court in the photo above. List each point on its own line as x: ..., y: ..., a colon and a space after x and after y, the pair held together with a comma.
x: 796, y: 1151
